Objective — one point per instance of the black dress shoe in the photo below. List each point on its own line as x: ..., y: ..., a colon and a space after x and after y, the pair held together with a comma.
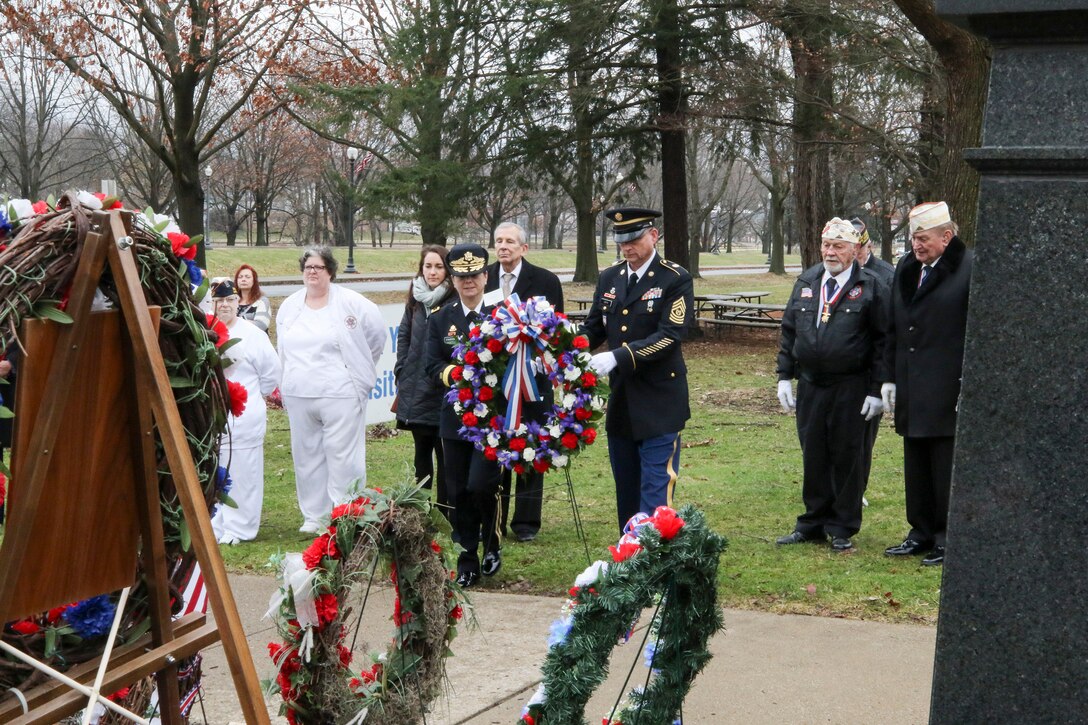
x: 798, y: 537
x: 466, y: 579
x: 909, y: 547
x: 935, y: 557
x: 841, y: 543
x: 524, y: 535
x: 492, y: 563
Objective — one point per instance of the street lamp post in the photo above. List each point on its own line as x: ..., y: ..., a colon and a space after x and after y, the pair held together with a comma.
x: 208, y: 207
x: 353, y: 154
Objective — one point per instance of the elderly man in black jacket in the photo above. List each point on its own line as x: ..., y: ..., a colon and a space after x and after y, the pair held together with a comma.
x: 925, y: 356
x: 513, y: 274
x: 832, y: 340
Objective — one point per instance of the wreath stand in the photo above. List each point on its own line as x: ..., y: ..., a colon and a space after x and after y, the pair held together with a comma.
x: 74, y: 531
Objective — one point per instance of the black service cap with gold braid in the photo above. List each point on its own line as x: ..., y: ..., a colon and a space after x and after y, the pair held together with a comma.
x: 629, y: 223
x: 465, y: 260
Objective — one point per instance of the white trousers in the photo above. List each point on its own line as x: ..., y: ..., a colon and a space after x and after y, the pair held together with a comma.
x: 328, y: 446
x: 247, y: 490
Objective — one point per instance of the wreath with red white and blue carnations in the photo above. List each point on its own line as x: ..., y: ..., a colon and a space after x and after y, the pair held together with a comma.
x: 494, y: 376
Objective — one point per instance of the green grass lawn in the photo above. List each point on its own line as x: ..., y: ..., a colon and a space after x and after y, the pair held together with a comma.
x: 279, y: 261
x: 741, y: 464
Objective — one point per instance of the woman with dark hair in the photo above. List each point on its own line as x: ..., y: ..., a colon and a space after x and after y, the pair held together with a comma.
x: 329, y: 340
x: 254, y: 305
x: 419, y: 399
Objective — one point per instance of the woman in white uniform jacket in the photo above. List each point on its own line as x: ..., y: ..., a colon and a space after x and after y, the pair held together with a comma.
x: 329, y: 340
x: 254, y: 365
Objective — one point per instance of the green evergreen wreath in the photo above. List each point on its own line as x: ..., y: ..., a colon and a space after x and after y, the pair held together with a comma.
x: 315, y: 676
x: 670, y: 559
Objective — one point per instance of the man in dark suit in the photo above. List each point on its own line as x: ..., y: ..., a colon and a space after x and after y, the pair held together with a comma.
x: 513, y: 274
x: 641, y: 308
x: 833, y: 341
x: 472, y: 481
x: 925, y: 356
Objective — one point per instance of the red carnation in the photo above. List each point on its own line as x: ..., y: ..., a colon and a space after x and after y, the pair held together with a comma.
x: 26, y: 626
x: 275, y: 649
x: 494, y: 345
x: 491, y: 454
x: 589, y: 435
x: 528, y: 719
x: 667, y: 522
x: 327, y: 608
x: 573, y: 592
x: 469, y: 419
x: 457, y: 373
x: 345, y: 656
x: 474, y: 331
x: 464, y: 395
x: 120, y: 695
x: 324, y: 545
x: 435, y: 547
x: 541, y: 465
x: 456, y: 613
x: 219, y: 330
x: 569, y: 440
x: 40, y: 207
x: 55, y: 613
x: 238, y: 397
x: 519, y: 468
x: 354, y: 508
x: 3, y: 488
x: 589, y: 379
x: 495, y: 423
x: 179, y: 243
x: 471, y: 357
x: 582, y: 414
x: 580, y: 342
x: 624, y: 551
x: 517, y: 444
x: 486, y: 394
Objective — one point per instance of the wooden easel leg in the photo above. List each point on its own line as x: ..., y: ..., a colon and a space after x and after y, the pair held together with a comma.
x: 153, y: 547
x: 148, y: 356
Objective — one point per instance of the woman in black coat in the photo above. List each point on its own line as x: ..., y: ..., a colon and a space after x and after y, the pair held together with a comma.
x: 419, y: 399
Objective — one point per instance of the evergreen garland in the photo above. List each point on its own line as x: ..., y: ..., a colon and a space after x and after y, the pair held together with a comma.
x: 667, y: 559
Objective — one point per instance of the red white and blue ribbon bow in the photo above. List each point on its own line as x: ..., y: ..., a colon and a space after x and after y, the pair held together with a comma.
x: 523, y: 329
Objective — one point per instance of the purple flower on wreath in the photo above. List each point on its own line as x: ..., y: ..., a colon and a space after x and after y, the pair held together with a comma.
x: 649, y: 652
x: 196, y: 277
x: 92, y: 617
x: 5, y: 225
x: 223, y: 481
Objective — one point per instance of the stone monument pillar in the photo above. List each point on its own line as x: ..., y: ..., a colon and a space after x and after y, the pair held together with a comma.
x: 1012, y: 639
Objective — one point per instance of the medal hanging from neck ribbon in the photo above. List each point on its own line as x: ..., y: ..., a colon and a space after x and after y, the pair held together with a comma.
x: 829, y: 293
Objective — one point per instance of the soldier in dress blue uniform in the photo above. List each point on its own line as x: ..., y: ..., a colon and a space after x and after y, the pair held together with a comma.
x: 472, y: 481
x: 640, y: 310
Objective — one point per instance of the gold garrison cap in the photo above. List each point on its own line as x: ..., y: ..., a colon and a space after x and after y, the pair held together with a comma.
x: 861, y: 229
x: 465, y: 260
x: 629, y: 223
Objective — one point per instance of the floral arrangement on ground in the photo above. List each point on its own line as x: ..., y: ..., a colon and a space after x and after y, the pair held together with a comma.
x: 39, y: 251
x: 315, y: 673
x: 668, y: 561
x: 493, y: 377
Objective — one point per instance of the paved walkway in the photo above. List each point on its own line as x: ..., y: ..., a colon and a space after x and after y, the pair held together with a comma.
x: 767, y: 668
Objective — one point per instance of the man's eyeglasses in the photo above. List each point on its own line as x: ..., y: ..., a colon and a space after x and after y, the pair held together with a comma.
x: 314, y: 267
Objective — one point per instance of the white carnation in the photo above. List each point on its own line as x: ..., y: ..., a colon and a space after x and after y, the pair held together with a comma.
x: 568, y: 401
x: 555, y: 431
x: 572, y: 373
x: 21, y: 209
x: 485, y: 355
x: 592, y: 573
x: 491, y: 380
x: 480, y: 410
x: 469, y: 373
x: 487, y: 329
x: 559, y: 461
x: 528, y: 454
x: 89, y: 200
x: 493, y: 439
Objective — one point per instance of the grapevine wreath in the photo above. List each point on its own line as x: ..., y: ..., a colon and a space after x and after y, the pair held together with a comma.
x: 667, y: 558
x: 40, y: 244
x: 493, y: 376
x: 315, y: 675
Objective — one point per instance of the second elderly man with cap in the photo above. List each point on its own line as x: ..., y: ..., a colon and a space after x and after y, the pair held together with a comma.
x: 833, y: 336
x: 640, y: 310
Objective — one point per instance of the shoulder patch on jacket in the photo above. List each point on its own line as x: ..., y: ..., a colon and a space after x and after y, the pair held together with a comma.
x: 672, y: 266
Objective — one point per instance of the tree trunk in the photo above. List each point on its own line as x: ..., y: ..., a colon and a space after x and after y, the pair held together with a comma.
x: 672, y: 122
x: 585, y: 262
x: 965, y: 60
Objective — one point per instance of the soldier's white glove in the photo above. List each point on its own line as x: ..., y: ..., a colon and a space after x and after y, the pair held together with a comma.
x: 887, y: 394
x: 872, y: 407
x: 603, y: 362
x: 785, y: 395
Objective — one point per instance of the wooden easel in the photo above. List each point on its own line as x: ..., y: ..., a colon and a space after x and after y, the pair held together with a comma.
x: 26, y: 586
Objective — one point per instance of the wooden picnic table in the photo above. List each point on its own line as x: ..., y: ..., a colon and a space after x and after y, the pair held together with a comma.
x: 578, y: 315
x: 582, y: 302
x: 743, y: 314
